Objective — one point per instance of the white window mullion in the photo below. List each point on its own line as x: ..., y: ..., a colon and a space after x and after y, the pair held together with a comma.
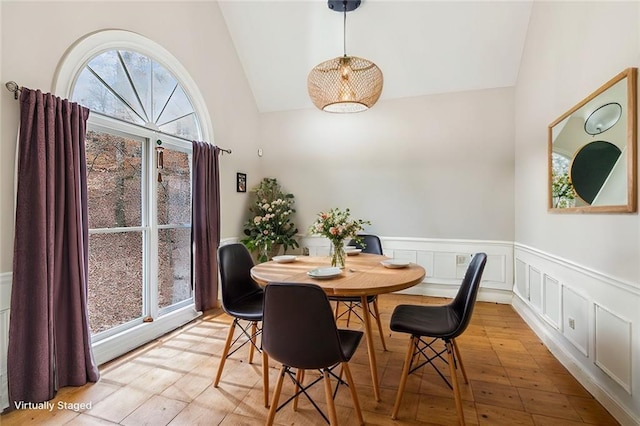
x: 150, y: 293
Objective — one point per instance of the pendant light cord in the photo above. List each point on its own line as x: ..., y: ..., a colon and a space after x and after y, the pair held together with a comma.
x: 344, y: 29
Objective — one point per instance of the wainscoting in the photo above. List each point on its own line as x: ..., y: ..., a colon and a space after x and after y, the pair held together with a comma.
x: 587, y: 320
x: 446, y: 262
x: 5, y: 304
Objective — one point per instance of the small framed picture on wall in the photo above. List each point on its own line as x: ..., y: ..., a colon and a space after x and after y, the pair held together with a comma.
x: 241, y: 182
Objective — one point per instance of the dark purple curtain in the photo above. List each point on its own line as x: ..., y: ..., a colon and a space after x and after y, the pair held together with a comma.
x: 49, y: 338
x: 205, y: 224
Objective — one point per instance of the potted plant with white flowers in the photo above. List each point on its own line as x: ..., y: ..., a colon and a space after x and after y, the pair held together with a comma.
x: 270, y: 226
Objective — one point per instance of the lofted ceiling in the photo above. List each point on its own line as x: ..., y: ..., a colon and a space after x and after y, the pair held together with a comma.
x: 423, y: 47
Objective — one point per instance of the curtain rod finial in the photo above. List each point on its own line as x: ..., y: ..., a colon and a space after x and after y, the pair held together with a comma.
x: 12, y: 86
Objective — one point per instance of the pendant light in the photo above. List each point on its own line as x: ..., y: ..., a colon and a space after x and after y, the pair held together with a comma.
x: 603, y: 118
x: 346, y: 83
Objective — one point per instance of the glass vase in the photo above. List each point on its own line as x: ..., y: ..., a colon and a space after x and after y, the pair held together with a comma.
x: 275, y: 250
x: 338, y: 254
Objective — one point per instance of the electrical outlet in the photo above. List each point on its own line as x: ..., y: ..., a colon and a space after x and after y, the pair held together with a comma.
x: 572, y: 323
x: 462, y: 259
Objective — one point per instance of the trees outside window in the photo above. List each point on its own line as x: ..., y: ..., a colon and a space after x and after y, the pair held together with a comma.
x: 562, y: 192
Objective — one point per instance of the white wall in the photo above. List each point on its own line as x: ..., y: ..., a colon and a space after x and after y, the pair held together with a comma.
x: 35, y: 36
x: 433, y: 166
x: 6, y: 171
x: 577, y: 277
x: 572, y: 48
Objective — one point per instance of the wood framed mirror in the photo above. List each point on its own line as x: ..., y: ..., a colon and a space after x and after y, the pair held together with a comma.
x: 592, y: 151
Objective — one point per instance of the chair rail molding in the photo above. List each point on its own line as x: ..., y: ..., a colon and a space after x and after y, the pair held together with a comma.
x: 589, y: 320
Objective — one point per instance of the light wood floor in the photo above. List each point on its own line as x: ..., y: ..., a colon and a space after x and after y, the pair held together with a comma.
x: 513, y: 379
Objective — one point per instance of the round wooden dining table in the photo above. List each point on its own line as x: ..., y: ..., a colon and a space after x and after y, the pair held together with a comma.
x: 363, y: 275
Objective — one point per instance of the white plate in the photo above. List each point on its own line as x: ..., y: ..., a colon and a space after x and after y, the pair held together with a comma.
x: 353, y: 252
x: 287, y: 258
x: 322, y: 273
x: 395, y: 263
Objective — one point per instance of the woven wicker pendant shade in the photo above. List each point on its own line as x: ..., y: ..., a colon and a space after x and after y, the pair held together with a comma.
x: 345, y: 84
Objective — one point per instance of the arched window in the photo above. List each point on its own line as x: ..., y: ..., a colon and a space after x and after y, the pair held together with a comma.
x: 163, y: 73
x: 145, y: 111
x: 133, y: 87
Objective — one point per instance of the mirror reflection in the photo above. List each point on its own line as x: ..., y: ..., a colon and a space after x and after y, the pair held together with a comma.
x: 603, y: 118
x: 592, y: 151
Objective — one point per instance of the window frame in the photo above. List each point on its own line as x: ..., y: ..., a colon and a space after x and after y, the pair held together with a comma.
x: 121, y: 339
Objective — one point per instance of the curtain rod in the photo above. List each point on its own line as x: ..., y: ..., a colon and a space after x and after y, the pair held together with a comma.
x: 12, y: 86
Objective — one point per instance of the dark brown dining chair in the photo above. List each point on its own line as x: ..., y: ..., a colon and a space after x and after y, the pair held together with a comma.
x: 242, y: 298
x: 431, y: 324
x: 369, y: 243
x: 300, y: 332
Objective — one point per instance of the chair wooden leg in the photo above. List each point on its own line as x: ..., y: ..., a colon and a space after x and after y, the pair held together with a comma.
x: 459, y: 359
x: 337, y: 310
x: 371, y: 350
x: 265, y: 377
x: 225, y: 352
x: 403, y: 378
x: 350, y: 308
x: 377, y: 313
x: 254, y: 329
x: 454, y: 383
x: 328, y: 393
x: 352, y: 388
x: 299, y: 379
x: 276, y: 396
